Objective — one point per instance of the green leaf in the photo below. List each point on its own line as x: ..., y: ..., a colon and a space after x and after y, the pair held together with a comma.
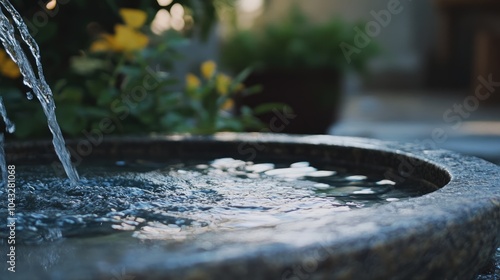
x: 168, y: 100
x: 106, y: 97
x: 171, y: 120
x: 230, y: 124
x: 268, y: 107
x: 48, y: 33
x: 84, y: 65
x: 93, y: 112
x: 95, y: 86
x: 70, y: 95
x: 252, y: 90
x: 69, y: 121
x: 31, y: 125
x: 242, y: 76
x: 131, y: 71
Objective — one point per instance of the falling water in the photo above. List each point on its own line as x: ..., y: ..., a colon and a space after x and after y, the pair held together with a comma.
x: 35, y: 81
x: 10, y: 128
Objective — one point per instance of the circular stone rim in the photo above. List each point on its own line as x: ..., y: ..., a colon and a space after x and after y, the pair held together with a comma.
x: 451, y: 232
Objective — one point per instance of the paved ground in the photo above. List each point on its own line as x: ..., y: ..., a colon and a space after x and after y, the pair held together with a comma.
x: 443, y: 120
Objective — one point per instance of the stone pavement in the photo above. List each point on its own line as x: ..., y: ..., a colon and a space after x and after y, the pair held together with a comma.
x: 444, y: 120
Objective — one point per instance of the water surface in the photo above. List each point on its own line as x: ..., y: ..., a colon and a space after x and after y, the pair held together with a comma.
x: 176, y: 200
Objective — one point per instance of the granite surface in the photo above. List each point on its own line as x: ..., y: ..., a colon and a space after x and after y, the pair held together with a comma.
x: 450, y: 233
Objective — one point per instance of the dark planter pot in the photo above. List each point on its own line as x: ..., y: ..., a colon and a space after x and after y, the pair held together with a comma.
x: 450, y: 233
x: 313, y: 95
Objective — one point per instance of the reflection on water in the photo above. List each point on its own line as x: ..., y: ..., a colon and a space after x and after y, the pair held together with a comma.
x: 177, y: 200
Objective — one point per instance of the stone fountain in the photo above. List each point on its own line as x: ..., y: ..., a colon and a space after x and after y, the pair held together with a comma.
x: 449, y: 233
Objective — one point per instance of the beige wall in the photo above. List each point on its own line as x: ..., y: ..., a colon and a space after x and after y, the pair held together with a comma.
x: 408, y: 39
x: 413, y: 28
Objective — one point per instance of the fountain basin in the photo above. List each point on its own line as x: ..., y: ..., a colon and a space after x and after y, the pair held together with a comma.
x: 450, y: 233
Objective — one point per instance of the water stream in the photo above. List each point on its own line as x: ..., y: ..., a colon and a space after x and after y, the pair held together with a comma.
x: 10, y: 27
x: 10, y: 128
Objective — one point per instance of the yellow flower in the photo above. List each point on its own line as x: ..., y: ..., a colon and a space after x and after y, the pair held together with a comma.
x: 8, y: 68
x: 208, y: 69
x: 239, y: 87
x: 222, y: 83
x: 133, y: 18
x: 228, y: 105
x: 192, y: 82
x: 106, y: 43
x: 127, y: 37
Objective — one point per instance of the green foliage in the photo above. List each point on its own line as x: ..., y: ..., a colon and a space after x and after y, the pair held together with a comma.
x: 132, y: 90
x: 208, y: 105
x: 70, y: 29
x: 294, y: 44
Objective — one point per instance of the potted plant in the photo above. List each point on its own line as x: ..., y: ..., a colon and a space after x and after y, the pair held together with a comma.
x: 298, y: 63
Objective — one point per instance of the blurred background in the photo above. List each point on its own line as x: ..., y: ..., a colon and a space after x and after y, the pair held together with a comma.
x: 424, y: 72
x: 416, y: 71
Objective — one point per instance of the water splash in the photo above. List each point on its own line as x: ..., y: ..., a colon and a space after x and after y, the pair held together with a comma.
x: 9, y: 126
x: 175, y: 201
x: 36, y: 81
